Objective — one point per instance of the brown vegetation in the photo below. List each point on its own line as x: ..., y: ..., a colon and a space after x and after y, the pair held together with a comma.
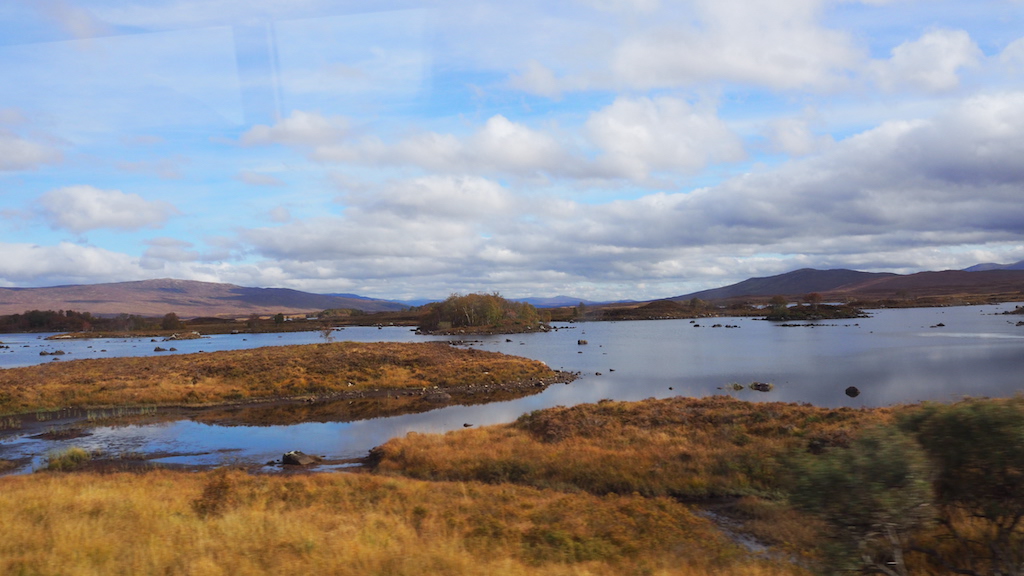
x: 320, y: 370
x: 652, y: 487
x: 228, y: 522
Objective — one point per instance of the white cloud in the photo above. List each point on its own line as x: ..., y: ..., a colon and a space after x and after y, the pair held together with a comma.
x: 164, y: 250
x: 1013, y: 56
x: 793, y: 136
x: 640, y: 135
x: 29, y: 264
x: 304, y: 129
x: 888, y: 198
x: 19, y: 154
x: 83, y: 208
x: 931, y: 63
x: 778, y: 45
x: 632, y: 138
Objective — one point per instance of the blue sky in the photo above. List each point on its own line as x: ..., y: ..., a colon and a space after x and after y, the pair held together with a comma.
x: 602, y: 149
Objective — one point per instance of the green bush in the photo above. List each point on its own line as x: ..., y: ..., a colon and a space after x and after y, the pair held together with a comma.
x: 872, y: 494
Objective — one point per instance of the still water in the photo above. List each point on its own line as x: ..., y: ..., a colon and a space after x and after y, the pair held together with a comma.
x: 896, y: 356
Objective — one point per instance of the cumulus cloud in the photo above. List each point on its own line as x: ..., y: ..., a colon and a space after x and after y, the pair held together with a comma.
x: 630, y: 138
x: 638, y: 135
x: 83, y: 208
x: 931, y: 63
x: 887, y: 198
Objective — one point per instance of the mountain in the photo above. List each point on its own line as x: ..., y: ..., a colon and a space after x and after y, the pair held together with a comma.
x: 555, y: 301
x: 990, y: 266
x: 798, y: 282
x: 186, y: 298
x: 835, y: 284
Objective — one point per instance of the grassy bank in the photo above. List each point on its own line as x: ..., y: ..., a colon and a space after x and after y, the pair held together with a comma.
x: 258, y: 374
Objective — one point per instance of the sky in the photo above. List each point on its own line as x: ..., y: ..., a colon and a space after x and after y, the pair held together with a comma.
x: 601, y: 149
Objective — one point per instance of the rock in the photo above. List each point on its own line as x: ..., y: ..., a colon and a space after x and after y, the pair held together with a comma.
x: 159, y: 349
x: 438, y: 397
x: 297, y: 458
x: 852, y: 392
x: 761, y: 386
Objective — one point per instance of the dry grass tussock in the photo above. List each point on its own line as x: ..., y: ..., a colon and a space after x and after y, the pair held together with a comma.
x: 272, y: 372
x: 227, y: 522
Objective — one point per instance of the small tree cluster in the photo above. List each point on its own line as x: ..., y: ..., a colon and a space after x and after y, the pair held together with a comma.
x: 478, y: 310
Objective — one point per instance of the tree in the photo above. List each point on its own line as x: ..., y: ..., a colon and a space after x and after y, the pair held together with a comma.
x: 872, y: 494
x: 279, y: 319
x: 253, y: 323
x: 171, y: 322
x: 813, y: 299
x: 479, y: 310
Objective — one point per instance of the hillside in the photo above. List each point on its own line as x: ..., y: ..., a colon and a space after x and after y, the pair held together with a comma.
x: 839, y: 284
x: 186, y: 298
x: 798, y: 282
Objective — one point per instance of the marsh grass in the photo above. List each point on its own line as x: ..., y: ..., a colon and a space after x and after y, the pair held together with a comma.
x: 717, y: 451
x: 679, y: 447
x: 261, y: 373
x: 167, y: 522
x: 67, y: 460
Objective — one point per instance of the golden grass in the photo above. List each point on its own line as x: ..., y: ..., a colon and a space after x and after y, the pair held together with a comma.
x: 681, y: 447
x: 227, y: 522
x: 272, y: 372
x: 706, y: 451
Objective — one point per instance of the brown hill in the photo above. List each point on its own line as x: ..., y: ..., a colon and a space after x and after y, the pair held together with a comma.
x: 842, y: 284
x: 186, y: 298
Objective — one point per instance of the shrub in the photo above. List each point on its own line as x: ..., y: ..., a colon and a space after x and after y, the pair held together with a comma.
x: 872, y: 494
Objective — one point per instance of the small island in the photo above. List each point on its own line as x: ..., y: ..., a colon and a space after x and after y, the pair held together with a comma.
x: 481, y: 314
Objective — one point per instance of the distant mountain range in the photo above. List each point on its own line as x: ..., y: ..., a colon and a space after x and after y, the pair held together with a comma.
x: 989, y: 266
x: 559, y: 301
x: 186, y: 298
x: 189, y: 299
x: 834, y: 284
